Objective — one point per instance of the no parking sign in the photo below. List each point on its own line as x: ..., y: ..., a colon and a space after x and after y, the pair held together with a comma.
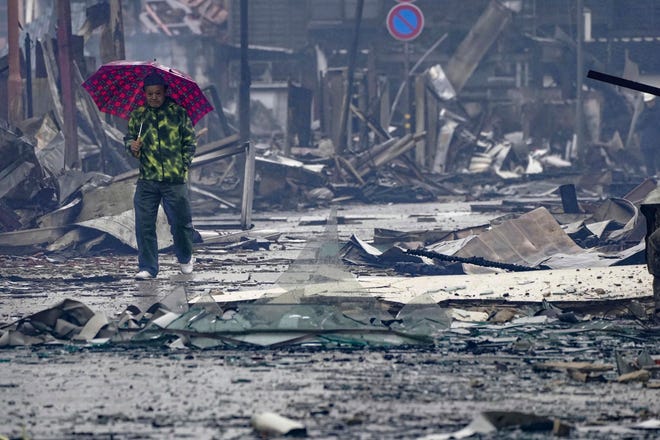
x: 405, y: 21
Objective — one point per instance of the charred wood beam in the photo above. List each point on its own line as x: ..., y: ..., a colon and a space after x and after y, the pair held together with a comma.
x: 210, y: 195
x: 217, y: 155
x: 479, y: 261
x: 71, y: 155
x: 343, y: 162
x: 205, y: 154
x: 217, y: 145
x: 373, y: 125
x: 405, y: 144
x: 369, y: 154
x: 157, y: 19
x: 622, y: 82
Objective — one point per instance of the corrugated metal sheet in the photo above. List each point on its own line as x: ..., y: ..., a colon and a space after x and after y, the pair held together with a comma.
x: 281, y: 23
x: 616, y: 18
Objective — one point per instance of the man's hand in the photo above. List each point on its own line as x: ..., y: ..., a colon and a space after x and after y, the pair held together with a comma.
x: 135, y: 147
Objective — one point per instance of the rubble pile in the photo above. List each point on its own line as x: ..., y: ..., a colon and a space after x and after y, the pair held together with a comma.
x: 451, y: 140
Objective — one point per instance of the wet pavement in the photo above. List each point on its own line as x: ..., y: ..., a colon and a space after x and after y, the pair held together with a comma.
x: 147, y: 391
x: 69, y: 392
x: 33, y: 282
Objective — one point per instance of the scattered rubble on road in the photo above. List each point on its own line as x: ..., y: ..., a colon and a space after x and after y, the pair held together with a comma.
x: 318, y: 302
x: 553, y: 288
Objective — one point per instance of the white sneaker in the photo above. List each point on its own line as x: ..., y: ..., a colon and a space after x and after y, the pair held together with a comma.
x: 187, y: 268
x: 144, y: 275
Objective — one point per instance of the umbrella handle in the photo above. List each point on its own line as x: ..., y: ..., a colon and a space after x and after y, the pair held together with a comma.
x: 138, y: 138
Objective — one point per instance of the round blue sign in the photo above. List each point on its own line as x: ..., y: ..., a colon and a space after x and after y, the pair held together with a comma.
x: 405, y: 21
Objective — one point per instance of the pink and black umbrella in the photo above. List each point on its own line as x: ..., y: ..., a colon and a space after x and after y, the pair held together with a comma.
x: 116, y: 88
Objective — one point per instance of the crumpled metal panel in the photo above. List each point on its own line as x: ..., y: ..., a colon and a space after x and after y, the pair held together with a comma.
x: 73, y: 180
x: 439, y: 83
x: 13, y: 176
x: 616, y: 209
x: 277, y: 324
x: 122, y: 227
x: 528, y: 240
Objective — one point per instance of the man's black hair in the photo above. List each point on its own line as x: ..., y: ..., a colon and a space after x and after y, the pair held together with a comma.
x: 154, y: 79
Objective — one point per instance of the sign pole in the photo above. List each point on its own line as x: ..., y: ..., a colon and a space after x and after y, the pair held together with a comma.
x: 579, y: 98
x: 64, y: 56
x: 346, y: 103
x: 407, y: 101
x: 244, y: 122
x: 14, y: 81
x: 405, y: 22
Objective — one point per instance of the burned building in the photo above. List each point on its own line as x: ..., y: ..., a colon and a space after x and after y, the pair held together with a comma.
x: 522, y: 74
x: 485, y: 86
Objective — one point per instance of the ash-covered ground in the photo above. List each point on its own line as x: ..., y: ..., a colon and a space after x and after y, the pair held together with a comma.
x: 338, y: 391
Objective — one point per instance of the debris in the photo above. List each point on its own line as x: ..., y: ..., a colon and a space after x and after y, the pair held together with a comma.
x: 569, y: 199
x: 585, y: 367
x: 492, y: 421
x: 504, y: 315
x: 634, y: 376
x: 269, y: 423
x: 439, y: 83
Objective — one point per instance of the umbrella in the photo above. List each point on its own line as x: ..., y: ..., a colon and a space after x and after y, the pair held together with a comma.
x: 116, y: 88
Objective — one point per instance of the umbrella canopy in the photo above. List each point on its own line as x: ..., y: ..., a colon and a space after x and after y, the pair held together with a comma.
x: 117, y: 88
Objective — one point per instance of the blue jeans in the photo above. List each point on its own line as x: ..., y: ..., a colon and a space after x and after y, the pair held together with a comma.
x: 148, y: 196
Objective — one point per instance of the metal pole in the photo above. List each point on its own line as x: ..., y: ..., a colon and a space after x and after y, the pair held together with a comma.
x: 346, y: 104
x: 409, y: 74
x: 244, y: 122
x: 407, y: 92
x: 28, y: 74
x: 466, y: 57
x: 117, y: 27
x: 112, y: 36
x: 14, y: 81
x: 71, y: 159
x: 579, y: 131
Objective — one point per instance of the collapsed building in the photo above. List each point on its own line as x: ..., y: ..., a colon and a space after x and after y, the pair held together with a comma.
x: 340, y: 109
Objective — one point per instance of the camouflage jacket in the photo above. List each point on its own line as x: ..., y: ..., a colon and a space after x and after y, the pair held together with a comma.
x: 168, y: 141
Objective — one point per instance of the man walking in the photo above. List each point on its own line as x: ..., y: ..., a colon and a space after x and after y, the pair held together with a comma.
x: 161, y: 136
x: 651, y: 209
x: 648, y: 126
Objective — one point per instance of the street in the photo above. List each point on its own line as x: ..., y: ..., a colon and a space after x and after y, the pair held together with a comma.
x: 146, y: 390
x: 391, y: 219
